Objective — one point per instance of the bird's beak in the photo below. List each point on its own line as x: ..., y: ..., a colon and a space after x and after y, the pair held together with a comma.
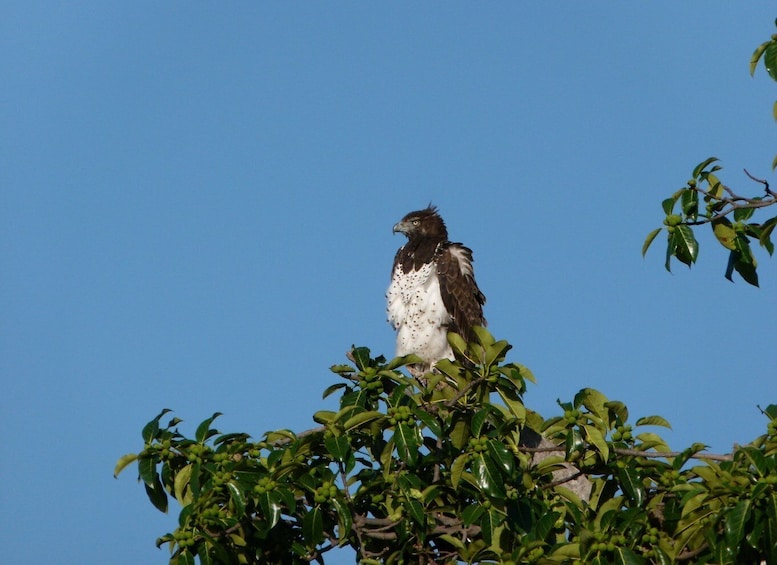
x: 399, y: 227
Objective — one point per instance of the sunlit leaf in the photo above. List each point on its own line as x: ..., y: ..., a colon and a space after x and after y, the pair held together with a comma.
x: 649, y: 239
x: 122, y: 463
x: 756, y: 56
x: 766, y: 232
x: 358, y: 420
x: 596, y: 438
x: 654, y: 421
x: 181, y: 485
x: 457, y: 469
x: 703, y: 165
x: 724, y: 232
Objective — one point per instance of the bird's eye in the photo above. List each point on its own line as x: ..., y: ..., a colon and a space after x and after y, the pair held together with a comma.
x: 416, y: 222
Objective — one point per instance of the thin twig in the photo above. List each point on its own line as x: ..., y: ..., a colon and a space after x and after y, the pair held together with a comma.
x: 763, y: 182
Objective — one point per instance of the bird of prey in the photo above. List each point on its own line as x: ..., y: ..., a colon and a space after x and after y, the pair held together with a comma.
x: 432, y: 291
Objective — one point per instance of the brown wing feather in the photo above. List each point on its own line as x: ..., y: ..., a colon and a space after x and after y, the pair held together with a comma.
x: 460, y: 292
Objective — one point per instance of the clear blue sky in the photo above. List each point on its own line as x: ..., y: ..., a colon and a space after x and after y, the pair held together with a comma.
x: 197, y: 202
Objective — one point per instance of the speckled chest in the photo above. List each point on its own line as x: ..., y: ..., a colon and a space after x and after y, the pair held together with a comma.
x: 414, y: 297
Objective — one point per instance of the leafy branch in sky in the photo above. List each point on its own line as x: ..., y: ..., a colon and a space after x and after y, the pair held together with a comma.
x: 730, y: 215
x: 458, y: 469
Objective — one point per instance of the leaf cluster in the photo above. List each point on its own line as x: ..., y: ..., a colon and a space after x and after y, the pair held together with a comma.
x: 453, y: 467
x: 706, y: 200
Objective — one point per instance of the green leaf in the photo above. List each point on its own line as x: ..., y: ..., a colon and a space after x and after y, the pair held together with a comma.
x: 489, y: 523
x: 341, y: 370
x: 406, y: 440
x: 338, y: 447
x: 362, y: 418
x: 668, y: 204
x: 574, y: 445
x: 181, y: 483
x: 771, y: 525
x: 690, y: 203
x: 313, y: 526
x: 361, y: 357
x: 743, y: 261
x: 487, y: 476
x: 333, y: 388
x: 147, y: 470
x: 457, y: 469
x: 770, y: 60
x: 324, y: 417
x: 344, y: 520
x: 203, y: 430
x: 756, y: 458
x: 771, y: 411
x: 724, y: 232
x: 270, y: 504
x: 478, y: 420
x: 416, y: 511
x: 459, y: 433
x: 184, y: 558
x: 501, y: 456
x: 471, y: 514
x: 715, y: 188
x: 686, y: 248
x: 766, y: 232
x: 458, y: 344
x: 429, y: 421
x: 238, y: 497
x: 596, y: 438
x: 156, y: 494
x: 734, y: 523
x: 593, y: 400
x: 150, y: 430
x: 654, y: 421
x: 624, y: 556
x: 756, y: 56
x: 632, y: 485
x: 703, y: 165
x: 649, y: 239
x: 122, y: 463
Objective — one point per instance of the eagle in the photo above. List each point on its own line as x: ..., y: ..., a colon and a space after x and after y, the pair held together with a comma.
x: 432, y: 291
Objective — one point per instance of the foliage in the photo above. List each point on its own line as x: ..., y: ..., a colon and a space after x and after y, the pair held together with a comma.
x: 414, y: 471
x: 721, y: 206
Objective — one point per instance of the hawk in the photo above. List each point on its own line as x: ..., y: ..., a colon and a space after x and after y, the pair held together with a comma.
x: 432, y: 291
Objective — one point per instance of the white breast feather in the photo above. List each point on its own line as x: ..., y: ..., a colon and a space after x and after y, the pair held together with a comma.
x: 417, y: 312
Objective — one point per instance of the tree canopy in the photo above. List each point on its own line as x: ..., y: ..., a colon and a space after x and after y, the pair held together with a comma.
x: 454, y: 467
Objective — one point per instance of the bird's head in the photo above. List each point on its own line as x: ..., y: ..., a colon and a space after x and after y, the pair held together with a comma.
x: 422, y: 223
